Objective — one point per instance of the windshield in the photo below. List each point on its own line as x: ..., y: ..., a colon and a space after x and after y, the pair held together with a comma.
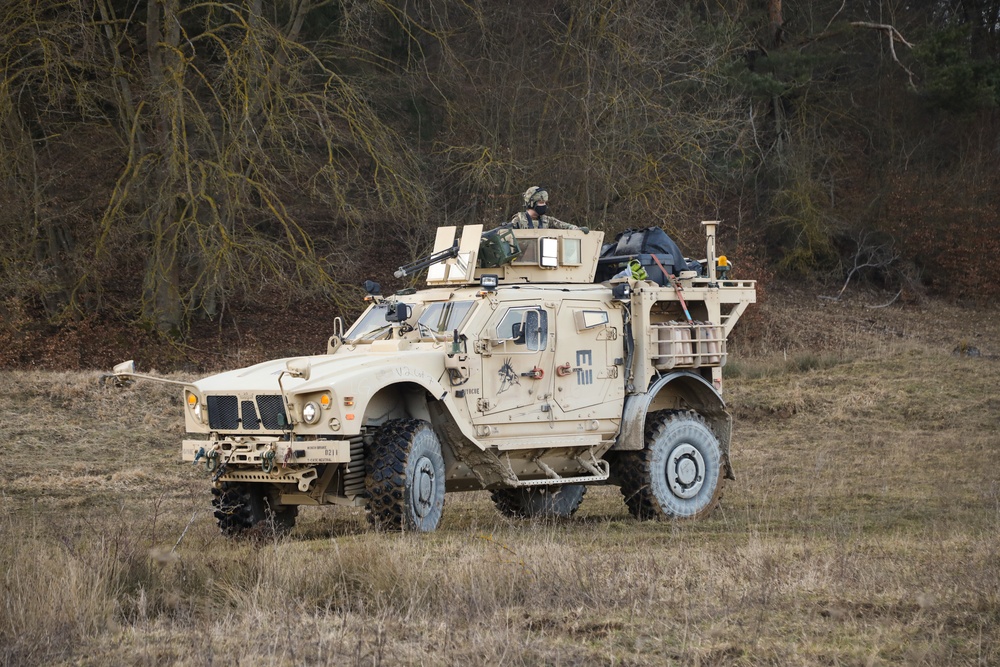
x: 443, y: 317
x: 437, y: 320
x: 371, y: 326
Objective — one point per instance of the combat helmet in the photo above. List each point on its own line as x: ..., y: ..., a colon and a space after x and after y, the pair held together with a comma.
x: 535, y: 194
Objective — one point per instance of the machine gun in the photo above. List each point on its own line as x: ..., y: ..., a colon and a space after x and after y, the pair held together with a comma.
x: 441, y: 256
x: 496, y: 248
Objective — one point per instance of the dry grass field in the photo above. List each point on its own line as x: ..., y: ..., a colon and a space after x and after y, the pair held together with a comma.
x: 863, y: 529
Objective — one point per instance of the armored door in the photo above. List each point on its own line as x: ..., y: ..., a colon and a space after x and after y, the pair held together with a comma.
x: 588, y: 381
x: 515, y: 354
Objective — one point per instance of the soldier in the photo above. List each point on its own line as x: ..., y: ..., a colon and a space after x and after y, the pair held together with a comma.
x: 536, y: 201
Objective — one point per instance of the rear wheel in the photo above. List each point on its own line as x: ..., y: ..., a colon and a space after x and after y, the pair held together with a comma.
x: 242, y: 509
x: 678, y: 473
x: 556, y: 500
x: 405, y: 477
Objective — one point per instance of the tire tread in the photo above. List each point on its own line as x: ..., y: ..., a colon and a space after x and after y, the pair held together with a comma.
x: 634, y: 470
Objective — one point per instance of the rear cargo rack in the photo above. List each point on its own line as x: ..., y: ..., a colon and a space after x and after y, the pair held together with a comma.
x: 688, y: 345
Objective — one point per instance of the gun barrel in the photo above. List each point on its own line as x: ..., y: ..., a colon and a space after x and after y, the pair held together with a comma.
x: 440, y: 256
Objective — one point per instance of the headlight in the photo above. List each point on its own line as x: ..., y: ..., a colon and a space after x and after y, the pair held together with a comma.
x: 310, y: 413
x: 195, y: 405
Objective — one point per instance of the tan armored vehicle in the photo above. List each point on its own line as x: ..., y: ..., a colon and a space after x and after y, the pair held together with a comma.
x: 535, y: 363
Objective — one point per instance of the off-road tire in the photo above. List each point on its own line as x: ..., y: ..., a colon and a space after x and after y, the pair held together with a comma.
x: 555, y: 501
x: 243, y: 510
x: 679, y: 472
x: 404, y: 477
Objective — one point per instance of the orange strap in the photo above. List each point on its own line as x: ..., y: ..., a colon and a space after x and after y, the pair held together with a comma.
x: 673, y: 283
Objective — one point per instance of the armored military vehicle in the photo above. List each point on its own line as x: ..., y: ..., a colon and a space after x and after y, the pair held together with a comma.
x: 536, y: 363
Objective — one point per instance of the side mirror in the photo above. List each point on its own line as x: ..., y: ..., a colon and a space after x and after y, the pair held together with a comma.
x: 517, y: 331
x: 532, y: 330
x: 299, y: 368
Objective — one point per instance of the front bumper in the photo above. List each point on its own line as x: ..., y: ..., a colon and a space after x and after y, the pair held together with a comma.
x: 254, y: 451
x: 266, y: 460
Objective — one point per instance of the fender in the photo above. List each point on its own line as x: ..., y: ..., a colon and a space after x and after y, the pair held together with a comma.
x: 700, y: 395
x: 377, y: 399
x: 413, y: 390
x: 379, y: 386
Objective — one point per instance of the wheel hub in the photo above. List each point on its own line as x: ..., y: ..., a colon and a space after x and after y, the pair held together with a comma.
x: 685, y: 471
x: 422, y: 491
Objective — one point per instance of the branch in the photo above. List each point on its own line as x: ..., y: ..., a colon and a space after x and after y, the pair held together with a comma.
x: 893, y: 35
x: 887, y: 303
x: 868, y: 256
x: 888, y: 29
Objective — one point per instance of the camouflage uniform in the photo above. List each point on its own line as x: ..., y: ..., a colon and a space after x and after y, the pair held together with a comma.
x: 522, y: 220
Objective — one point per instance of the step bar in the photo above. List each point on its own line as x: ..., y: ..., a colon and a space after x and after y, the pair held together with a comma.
x: 599, y: 468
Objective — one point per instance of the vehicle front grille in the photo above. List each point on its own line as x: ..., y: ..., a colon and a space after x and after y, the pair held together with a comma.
x: 272, y: 412
x: 228, y: 413
x: 223, y: 412
x: 251, y: 421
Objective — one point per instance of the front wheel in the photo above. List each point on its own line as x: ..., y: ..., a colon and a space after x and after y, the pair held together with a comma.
x: 247, y: 509
x: 678, y: 473
x: 553, y: 501
x: 404, y: 477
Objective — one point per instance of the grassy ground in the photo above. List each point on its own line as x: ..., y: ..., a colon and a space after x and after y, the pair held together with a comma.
x: 862, y: 530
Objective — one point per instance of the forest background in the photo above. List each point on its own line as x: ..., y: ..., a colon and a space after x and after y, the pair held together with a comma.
x: 184, y: 179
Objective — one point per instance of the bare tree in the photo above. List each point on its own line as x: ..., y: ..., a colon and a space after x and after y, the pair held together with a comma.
x: 51, y: 109
x: 621, y: 108
x: 870, y: 253
x: 240, y: 119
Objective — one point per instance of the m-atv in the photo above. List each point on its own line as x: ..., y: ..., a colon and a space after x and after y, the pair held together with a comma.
x: 536, y: 362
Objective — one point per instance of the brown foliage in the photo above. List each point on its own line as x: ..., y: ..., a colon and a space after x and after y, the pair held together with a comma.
x: 167, y: 162
x: 948, y: 229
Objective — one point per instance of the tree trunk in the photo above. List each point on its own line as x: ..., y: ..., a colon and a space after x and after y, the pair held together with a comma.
x: 122, y: 87
x: 162, y: 299
x: 775, y: 23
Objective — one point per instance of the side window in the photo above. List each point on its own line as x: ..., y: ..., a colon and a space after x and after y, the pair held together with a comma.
x: 524, y: 329
x: 529, y: 252
x: 572, y: 252
x: 588, y: 319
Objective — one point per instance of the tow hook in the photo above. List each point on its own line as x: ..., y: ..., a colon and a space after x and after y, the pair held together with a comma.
x: 211, y: 459
x: 564, y: 370
x: 535, y: 373
x: 267, y: 460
